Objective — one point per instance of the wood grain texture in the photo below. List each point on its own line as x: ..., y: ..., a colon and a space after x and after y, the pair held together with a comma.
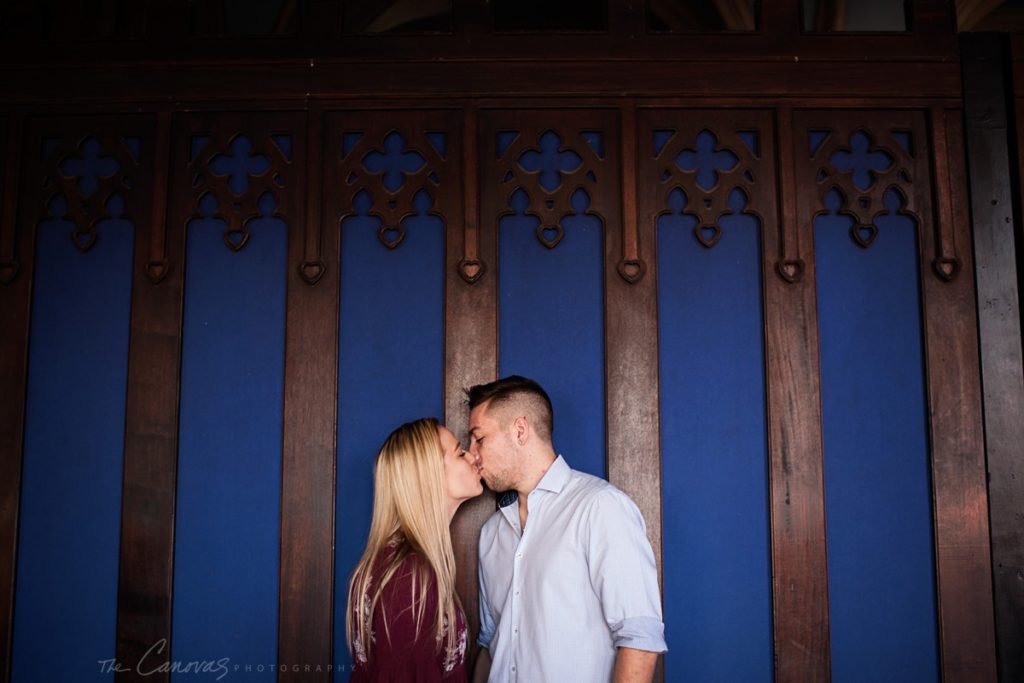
x: 799, y: 558
x: 16, y: 259
x: 306, y: 599
x: 471, y: 351
x: 963, y: 561
x: 998, y: 302
x: 274, y: 82
x: 633, y: 415
x: 151, y: 431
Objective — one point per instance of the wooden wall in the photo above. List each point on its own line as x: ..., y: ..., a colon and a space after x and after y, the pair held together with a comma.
x: 780, y: 82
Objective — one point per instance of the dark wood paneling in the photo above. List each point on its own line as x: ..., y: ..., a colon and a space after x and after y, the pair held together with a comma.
x: 344, y: 177
x: 305, y: 627
x: 174, y: 33
x: 707, y: 205
x: 799, y: 559
x: 632, y: 419
x: 43, y: 179
x: 988, y: 163
x: 277, y: 81
x: 16, y: 259
x: 471, y: 349
x: 966, y: 620
x: 151, y: 427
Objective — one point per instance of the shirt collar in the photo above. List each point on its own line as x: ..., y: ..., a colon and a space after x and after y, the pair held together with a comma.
x: 553, y: 480
x: 556, y: 476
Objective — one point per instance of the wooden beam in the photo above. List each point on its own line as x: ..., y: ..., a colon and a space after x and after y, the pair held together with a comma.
x: 799, y: 557
x: 998, y: 300
x: 632, y: 410
x: 963, y: 566
x: 290, y: 82
x: 470, y: 347
x: 16, y: 261
x: 151, y: 428
x: 305, y: 625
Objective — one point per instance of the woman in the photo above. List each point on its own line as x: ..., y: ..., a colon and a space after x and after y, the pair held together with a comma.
x: 404, y: 621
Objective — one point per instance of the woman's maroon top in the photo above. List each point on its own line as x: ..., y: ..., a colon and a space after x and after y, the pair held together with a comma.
x: 396, y: 654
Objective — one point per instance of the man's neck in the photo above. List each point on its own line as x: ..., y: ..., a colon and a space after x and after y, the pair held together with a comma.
x: 540, y: 463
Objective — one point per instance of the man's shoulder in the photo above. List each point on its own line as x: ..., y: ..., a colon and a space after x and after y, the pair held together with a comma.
x: 593, y: 489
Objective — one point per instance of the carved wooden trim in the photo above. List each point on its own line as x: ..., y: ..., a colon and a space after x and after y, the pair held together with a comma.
x: 799, y: 553
x: 15, y: 307
x: 528, y: 136
x: 945, y: 263
x: 789, y: 266
x: 864, y: 204
x: 87, y: 196
x: 312, y: 266
x: 357, y: 140
x: 157, y: 266
x: 470, y: 267
x: 630, y: 266
x: 238, y: 166
x: 306, y: 587
x: 719, y: 134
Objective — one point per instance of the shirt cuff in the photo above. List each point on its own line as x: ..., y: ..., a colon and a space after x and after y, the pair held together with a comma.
x: 640, y: 633
x: 484, y: 640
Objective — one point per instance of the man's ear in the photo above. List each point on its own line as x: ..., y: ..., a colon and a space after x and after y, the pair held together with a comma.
x: 520, y: 430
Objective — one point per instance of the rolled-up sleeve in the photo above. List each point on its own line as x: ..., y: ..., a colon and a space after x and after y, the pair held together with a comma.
x: 623, y: 573
x: 487, y: 625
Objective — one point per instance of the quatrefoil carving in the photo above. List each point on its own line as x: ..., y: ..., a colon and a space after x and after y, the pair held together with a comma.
x: 701, y: 171
x: 392, y: 176
x: 543, y: 172
x: 860, y: 166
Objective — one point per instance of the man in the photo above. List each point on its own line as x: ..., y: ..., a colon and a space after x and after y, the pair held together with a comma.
x: 568, y: 584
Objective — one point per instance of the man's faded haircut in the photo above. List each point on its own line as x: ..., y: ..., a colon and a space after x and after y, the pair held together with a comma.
x: 515, y: 391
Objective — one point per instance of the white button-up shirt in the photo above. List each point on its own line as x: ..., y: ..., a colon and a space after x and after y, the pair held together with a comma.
x: 557, y: 600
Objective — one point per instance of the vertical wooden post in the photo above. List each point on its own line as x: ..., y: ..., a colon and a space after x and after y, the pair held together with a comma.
x: 963, y: 564
x: 631, y: 349
x: 305, y: 633
x: 16, y: 259
x: 799, y: 557
x: 151, y: 431
x: 471, y: 342
x: 1002, y: 371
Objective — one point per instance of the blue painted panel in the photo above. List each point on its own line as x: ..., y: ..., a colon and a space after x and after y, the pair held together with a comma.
x: 715, y: 513
x: 390, y: 365
x: 551, y: 322
x: 227, y: 532
x: 877, y: 481
x: 66, y: 594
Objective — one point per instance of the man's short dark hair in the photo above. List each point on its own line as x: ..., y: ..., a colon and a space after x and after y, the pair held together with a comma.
x: 515, y: 389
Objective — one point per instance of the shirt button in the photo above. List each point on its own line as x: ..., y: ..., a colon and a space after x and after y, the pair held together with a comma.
x: 513, y: 668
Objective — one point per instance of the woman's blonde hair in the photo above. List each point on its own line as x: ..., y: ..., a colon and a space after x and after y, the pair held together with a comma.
x: 410, y: 513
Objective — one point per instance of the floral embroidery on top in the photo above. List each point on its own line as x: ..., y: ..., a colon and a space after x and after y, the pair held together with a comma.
x: 358, y: 650
x: 457, y: 655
